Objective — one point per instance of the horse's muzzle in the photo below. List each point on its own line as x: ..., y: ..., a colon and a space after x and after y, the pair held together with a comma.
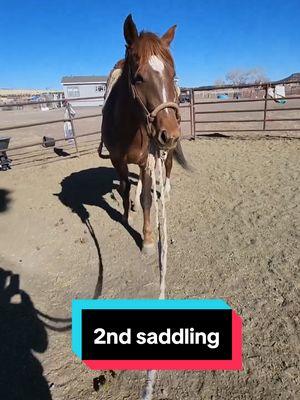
x: 165, y: 140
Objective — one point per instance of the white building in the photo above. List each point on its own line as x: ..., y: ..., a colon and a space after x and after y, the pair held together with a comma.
x: 76, y: 87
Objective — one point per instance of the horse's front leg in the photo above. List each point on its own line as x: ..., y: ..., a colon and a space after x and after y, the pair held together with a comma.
x: 146, y: 200
x: 124, y: 187
x: 124, y: 190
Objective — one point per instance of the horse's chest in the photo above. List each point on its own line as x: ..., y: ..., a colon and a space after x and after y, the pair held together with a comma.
x: 137, y: 148
x: 136, y: 155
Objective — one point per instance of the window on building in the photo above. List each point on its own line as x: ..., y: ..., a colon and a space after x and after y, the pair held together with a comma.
x: 73, y: 91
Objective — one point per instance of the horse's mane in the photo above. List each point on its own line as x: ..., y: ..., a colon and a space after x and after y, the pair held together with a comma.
x: 149, y: 44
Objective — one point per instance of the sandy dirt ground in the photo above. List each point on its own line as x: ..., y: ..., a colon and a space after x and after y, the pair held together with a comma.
x: 233, y: 234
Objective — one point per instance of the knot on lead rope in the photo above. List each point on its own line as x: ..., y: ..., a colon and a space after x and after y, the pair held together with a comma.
x: 152, y: 160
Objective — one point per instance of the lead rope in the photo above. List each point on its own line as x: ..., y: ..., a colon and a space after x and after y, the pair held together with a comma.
x: 158, y: 160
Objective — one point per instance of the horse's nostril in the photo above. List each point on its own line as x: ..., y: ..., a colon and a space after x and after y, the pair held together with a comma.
x: 166, y: 139
x: 163, y: 137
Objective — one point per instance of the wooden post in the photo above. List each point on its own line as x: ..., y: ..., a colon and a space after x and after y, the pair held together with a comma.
x: 73, y: 128
x: 192, y: 115
x: 265, y: 107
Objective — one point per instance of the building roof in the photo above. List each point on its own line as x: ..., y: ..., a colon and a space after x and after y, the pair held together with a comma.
x: 83, y: 79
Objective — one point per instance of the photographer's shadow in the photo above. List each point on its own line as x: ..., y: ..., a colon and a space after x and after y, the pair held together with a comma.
x: 21, y: 333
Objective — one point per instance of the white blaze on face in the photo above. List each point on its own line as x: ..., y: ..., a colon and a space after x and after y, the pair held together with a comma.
x: 156, y: 64
x: 164, y: 93
x: 164, y: 96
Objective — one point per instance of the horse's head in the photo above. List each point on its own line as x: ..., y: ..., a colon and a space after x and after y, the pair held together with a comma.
x: 151, y: 75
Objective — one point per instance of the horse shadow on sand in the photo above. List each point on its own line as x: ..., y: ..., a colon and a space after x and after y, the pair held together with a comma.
x: 21, y: 333
x: 89, y: 187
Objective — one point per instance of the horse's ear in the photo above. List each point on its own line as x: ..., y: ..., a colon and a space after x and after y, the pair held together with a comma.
x: 169, y: 35
x: 130, y: 31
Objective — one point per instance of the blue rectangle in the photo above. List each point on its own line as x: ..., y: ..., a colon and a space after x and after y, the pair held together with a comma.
x: 205, y: 304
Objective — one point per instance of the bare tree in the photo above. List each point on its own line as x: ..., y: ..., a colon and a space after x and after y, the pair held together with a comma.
x: 219, y: 82
x: 257, y: 75
x: 236, y: 77
x: 241, y: 77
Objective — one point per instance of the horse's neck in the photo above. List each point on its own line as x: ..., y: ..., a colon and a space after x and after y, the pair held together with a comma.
x: 124, y: 88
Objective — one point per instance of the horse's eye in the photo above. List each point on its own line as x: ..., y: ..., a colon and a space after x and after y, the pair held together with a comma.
x: 138, y: 78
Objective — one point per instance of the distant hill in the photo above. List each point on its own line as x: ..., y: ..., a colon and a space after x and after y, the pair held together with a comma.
x: 292, y: 78
x: 26, y: 92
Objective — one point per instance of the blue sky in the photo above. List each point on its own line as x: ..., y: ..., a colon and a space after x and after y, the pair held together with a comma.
x: 41, y: 41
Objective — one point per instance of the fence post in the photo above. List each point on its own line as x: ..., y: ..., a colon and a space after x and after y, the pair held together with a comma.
x: 192, y: 114
x: 265, y: 107
x: 73, y: 128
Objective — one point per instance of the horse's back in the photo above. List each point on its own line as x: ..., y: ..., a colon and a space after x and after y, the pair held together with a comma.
x: 113, y: 77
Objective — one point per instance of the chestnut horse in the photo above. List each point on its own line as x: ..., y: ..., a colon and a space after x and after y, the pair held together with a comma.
x: 142, y: 110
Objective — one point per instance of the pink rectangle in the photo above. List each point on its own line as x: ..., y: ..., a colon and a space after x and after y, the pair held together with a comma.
x: 234, y: 364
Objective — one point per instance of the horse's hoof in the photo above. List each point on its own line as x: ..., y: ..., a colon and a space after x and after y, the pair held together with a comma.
x: 148, y: 249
